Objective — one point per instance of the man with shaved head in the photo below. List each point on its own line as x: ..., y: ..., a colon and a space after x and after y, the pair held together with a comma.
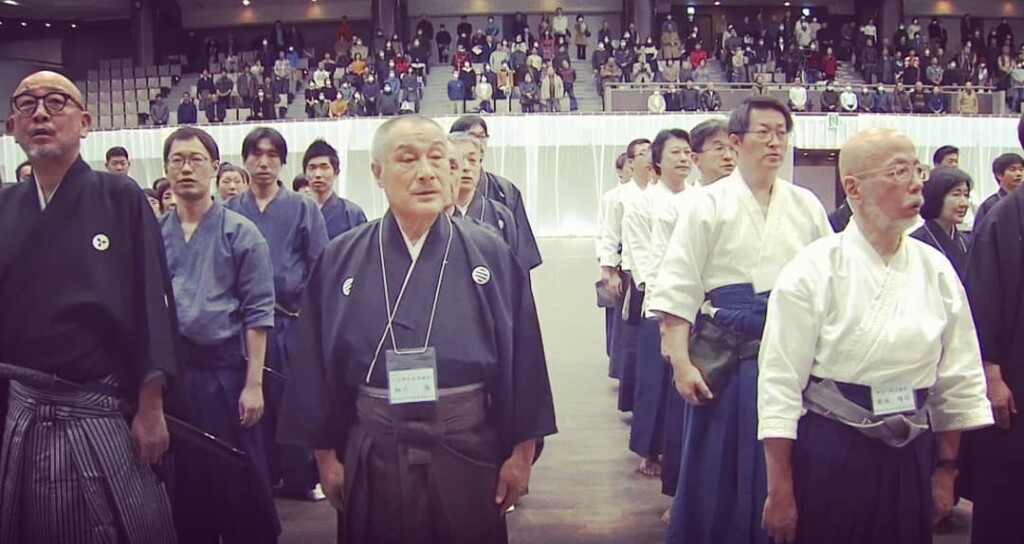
x: 419, y: 379
x: 86, y: 298
x: 869, y: 350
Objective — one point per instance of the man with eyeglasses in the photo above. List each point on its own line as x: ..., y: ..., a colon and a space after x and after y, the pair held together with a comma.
x: 321, y: 164
x: 117, y: 161
x: 499, y: 189
x: 86, y: 297
x: 712, y: 152
x: 224, y: 285
x: 869, y: 368
x: 295, y: 232
x: 731, y: 240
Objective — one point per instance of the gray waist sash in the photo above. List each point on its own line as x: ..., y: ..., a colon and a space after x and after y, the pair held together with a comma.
x: 896, y: 430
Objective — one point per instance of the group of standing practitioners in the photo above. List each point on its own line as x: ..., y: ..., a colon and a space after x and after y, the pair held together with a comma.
x: 790, y: 384
x: 423, y: 402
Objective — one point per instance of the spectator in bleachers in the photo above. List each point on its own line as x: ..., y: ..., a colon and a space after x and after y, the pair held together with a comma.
x: 967, y: 58
x: 311, y: 95
x: 188, y: 114
x: 670, y: 72
x: 598, y: 59
x: 656, y: 102
x: 371, y: 93
x: 689, y: 97
x: 257, y: 69
x: 829, y: 65
x: 642, y: 73
x: 263, y: 107
x: 829, y: 98
x: 206, y: 88
x: 505, y: 82
x: 529, y: 94
x: 610, y: 73
x: 866, y: 100
x: 887, y: 67
x: 246, y: 84
x: 282, y: 75
x: 217, y: 110
x: 883, y: 101
x: 981, y: 75
x: 560, y: 24
x: 936, y: 101
x: 23, y: 172
x: 919, y: 99
x: 357, y: 107
x: 499, y: 55
x: 967, y: 100
x: 457, y: 93
x: 869, y: 61
x: 412, y: 91
x: 954, y: 76
x: 117, y: 161
x: 321, y: 106
x: 339, y: 107
x: 159, y: 111
x: 568, y: 75
x: 484, y: 95
x: 758, y: 88
x: 389, y: 103
x: 552, y: 89
x: 710, y: 100
x: 580, y: 37
x: 934, y: 72
x: 798, y: 95
x: 901, y: 100
x: 848, y: 100
x: 444, y: 43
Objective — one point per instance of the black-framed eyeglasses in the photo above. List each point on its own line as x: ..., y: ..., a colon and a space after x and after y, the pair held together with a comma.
x: 54, y: 102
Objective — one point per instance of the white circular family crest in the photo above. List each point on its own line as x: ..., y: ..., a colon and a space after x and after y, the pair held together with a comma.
x: 100, y: 242
x: 346, y: 287
x: 481, y: 275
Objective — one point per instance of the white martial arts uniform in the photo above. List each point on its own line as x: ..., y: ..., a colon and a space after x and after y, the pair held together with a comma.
x: 839, y: 312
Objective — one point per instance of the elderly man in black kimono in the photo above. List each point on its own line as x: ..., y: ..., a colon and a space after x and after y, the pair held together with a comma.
x: 995, y: 287
x: 501, y: 190
x: 420, y: 381
x: 86, y: 297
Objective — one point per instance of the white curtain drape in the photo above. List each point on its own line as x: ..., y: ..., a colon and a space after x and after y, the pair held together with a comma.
x: 562, y: 163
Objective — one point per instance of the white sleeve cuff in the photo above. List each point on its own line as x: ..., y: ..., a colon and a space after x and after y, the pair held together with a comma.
x: 961, y: 421
x: 777, y: 428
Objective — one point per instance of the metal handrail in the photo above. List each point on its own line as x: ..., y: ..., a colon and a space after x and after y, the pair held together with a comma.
x: 724, y: 85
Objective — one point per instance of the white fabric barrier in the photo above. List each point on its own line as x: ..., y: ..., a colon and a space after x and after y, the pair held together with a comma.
x: 562, y: 163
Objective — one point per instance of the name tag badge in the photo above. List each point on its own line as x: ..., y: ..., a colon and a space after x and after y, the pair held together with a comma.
x: 412, y: 377
x: 892, y: 399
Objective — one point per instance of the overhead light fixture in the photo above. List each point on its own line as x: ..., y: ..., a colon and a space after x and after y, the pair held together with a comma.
x: 806, y: 12
x: 245, y: 3
x: 717, y: 3
x: 47, y: 25
x: 690, y: 10
x: 73, y: 25
x: 786, y: 4
x: 23, y: 23
x: 12, y: 2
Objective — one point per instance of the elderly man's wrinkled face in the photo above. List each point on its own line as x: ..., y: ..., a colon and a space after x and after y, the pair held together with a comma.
x: 888, y: 188
x: 47, y: 118
x: 716, y: 159
x: 469, y: 167
x: 411, y: 167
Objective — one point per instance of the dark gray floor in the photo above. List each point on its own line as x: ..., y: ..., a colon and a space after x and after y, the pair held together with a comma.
x: 585, y: 489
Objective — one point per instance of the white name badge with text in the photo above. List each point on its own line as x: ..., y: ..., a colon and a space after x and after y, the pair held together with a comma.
x: 892, y: 399
x: 412, y: 377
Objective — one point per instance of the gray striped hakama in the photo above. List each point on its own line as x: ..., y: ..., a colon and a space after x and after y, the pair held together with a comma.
x: 70, y: 474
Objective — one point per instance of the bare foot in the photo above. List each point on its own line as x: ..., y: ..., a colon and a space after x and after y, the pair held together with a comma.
x: 650, y: 467
x: 667, y: 516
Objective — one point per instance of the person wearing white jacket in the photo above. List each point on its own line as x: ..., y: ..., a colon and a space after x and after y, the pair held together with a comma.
x: 848, y: 100
x: 656, y: 102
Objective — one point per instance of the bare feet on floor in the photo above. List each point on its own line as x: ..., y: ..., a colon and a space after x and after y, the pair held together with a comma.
x: 650, y: 466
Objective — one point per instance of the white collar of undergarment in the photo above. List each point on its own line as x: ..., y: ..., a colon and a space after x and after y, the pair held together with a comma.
x: 42, y: 196
x: 464, y: 210
x: 414, y: 247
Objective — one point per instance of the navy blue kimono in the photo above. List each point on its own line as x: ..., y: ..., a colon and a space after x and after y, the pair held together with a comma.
x: 995, y: 287
x: 496, y: 217
x: 296, y: 235
x: 223, y: 279
x: 341, y: 215
x: 504, y: 191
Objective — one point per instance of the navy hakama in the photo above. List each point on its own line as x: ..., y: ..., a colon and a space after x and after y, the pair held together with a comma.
x: 220, y: 500
x: 722, y: 477
x: 672, y: 453
x: 623, y: 343
x: 652, y: 378
x: 842, y: 478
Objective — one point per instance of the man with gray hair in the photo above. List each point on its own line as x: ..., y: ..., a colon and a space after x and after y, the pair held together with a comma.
x: 869, y: 348
x: 469, y: 203
x: 712, y: 152
x: 423, y: 398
